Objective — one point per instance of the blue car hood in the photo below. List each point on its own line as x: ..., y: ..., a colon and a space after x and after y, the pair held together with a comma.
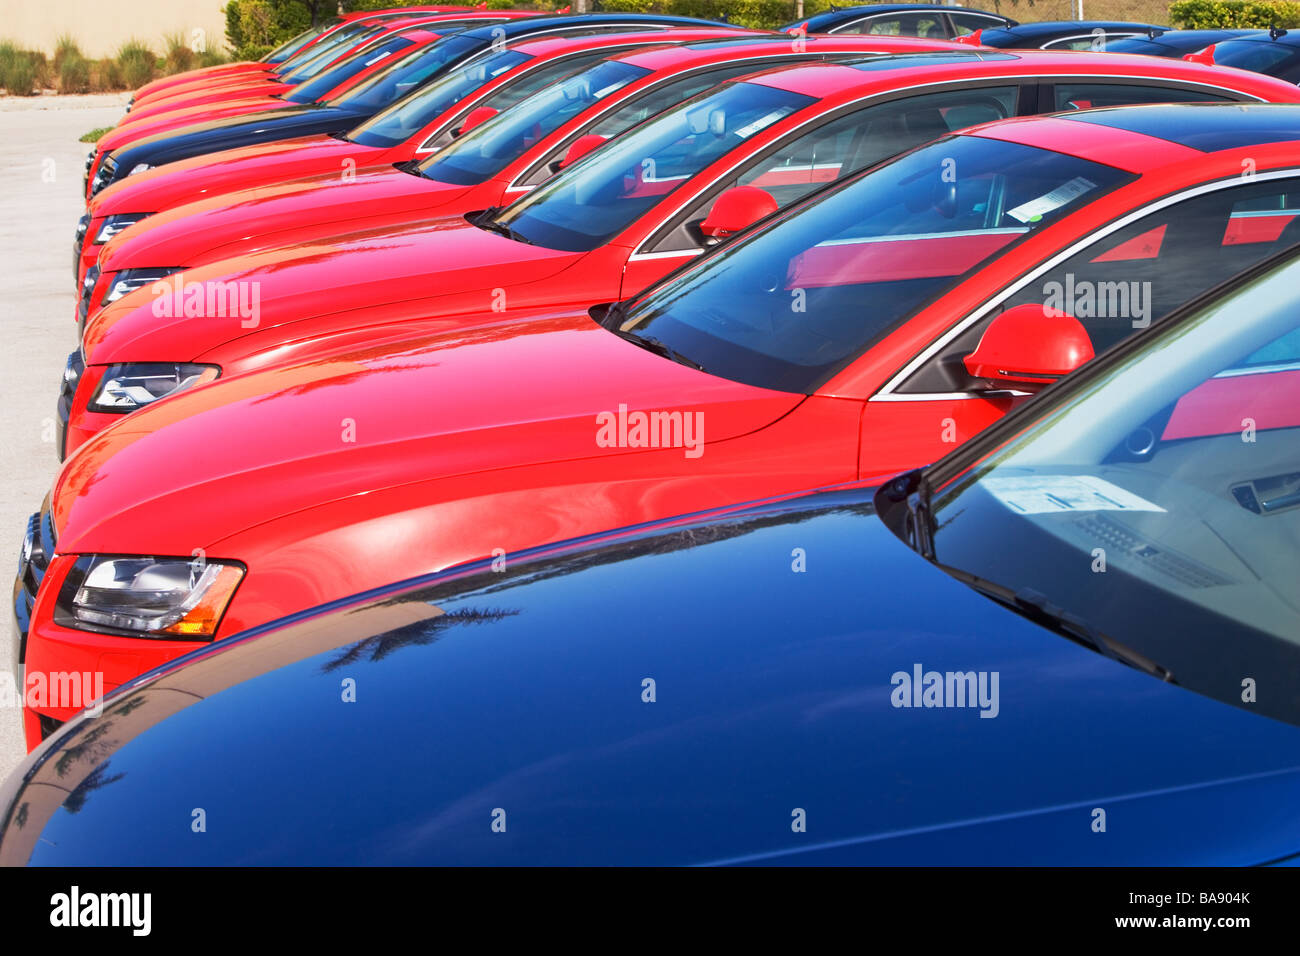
x: 235, y: 131
x: 724, y: 690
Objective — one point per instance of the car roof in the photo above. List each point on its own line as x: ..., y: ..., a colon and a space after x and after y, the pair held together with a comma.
x: 1283, y: 37
x: 1208, y: 127
x: 1141, y: 146
x: 845, y: 14
x: 891, y: 71
x: 525, y: 25
x: 551, y: 45
x: 1049, y: 28
x: 670, y: 55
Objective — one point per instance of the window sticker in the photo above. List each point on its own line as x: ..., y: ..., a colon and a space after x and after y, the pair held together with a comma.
x: 1056, y: 494
x: 1062, y: 195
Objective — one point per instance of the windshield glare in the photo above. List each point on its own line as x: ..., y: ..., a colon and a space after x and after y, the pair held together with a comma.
x: 313, y: 90
x: 326, y: 51
x: 790, y: 305
x: 594, y: 200
x: 1160, y: 500
x: 407, y: 73
x: 410, y: 114
x: 486, y: 150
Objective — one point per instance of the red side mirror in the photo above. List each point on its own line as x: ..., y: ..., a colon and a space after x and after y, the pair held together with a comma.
x: 1205, y: 56
x: 581, y: 147
x: 735, y: 209
x: 478, y: 115
x: 1027, y: 347
x: 970, y: 39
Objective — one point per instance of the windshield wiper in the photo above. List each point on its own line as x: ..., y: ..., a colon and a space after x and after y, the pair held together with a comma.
x: 487, y: 220
x: 917, y: 525
x: 1038, y: 608
x: 652, y: 344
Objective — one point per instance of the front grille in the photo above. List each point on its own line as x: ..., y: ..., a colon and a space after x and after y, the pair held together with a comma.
x: 72, y: 371
x: 78, y: 243
x: 87, y: 291
x: 104, y: 175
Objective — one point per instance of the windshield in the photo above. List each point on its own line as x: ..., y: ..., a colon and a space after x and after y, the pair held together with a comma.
x: 410, y: 114
x: 411, y: 70
x: 1259, y: 56
x: 290, y: 47
x: 318, y: 57
x: 483, y: 152
x: 790, y: 305
x: 1157, y: 501
x: 591, y: 202
x: 313, y: 90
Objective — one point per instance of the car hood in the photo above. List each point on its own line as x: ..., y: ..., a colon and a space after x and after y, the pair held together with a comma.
x: 681, y: 695
x: 460, y: 402
x: 143, y: 127
x: 341, y: 200
x: 213, y: 173
x: 233, y: 131
x: 428, y: 261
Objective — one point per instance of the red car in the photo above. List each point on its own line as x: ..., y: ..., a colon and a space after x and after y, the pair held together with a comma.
x: 306, y: 84
x: 336, y: 32
x: 408, y: 129
x: 289, y: 238
x: 865, y: 331
x: 330, y: 84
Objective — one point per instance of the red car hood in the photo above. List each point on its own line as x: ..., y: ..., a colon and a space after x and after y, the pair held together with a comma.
x: 424, y: 262
x: 173, y: 184
x: 264, y: 217
x: 205, y: 78
x: 234, y: 91
x: 188, y: 116
x: 196, y: 469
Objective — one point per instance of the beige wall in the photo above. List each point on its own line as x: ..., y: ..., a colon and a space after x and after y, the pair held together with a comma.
x: 101, y: 26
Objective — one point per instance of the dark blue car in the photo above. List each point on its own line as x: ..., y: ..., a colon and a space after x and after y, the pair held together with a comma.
x: 1072, y: 641
x: 1175, y: 43
x: 936, y: 21
x: 362, y: 101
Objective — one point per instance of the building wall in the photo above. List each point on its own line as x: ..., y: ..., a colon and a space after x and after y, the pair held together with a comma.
x: 101, y: 26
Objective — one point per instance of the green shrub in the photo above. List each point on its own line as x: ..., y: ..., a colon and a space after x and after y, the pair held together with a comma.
x: 179, y: 57
x: 74, y: 72
x: 64, y: 47
x: 17, y: 70
x: 106, y: 76
x: 1234, y: 14
x: 138, y: 63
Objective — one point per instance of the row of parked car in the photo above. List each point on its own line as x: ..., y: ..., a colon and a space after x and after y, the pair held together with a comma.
x: 626, y: 438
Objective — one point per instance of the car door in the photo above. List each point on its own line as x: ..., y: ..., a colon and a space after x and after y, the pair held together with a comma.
x: 1116, y: 281
x: 851, y: 138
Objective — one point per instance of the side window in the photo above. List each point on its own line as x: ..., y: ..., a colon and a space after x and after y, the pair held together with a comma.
x: 824, y: 154
x: 514, y: 93
x: 901, y: 25
x: 1142, y: 272
x: 1083, y: 96
x: 964, y: 23
x: 636, y: 110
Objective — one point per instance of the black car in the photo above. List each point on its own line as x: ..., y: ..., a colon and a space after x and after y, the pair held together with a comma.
x: 1175, y: 43
x: 1065, y: 34
x: 930, y: 20
x: 1074, y: 640
x: 1274, y: 53
x: 362, y: 101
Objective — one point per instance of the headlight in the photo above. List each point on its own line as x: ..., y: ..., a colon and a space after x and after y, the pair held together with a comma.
x: 115, y: 224
x: 128, y: 280
x: 139, y: 168
x: 133, y: 385
x: 147, y: 597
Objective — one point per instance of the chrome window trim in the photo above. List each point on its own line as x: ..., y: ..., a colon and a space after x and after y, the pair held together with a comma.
x: 888, y: 393
x: 1018, y: 79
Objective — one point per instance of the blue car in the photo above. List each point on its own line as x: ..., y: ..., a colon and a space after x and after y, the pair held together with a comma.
x: 1176, y: 43
x: 1072, y: 641
x: 935, y: 21
x: 1274, y: 53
